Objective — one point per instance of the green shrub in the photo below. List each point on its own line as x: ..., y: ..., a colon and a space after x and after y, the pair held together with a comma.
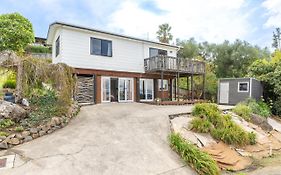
x: 6, y: 123
x: 38, y: 49
x: 259, y: 108
x: 202, y: 162
x: 201, y: 125
x: 233, y: 134
x: 205, y: 109
x: 44, y: 106
x: 221, y: 126
x: 10, y: 84
x: 252, y: 138
x: 3, y: 133
x: 277, y: 107
x: 19, y: 129
x: 243, y: 111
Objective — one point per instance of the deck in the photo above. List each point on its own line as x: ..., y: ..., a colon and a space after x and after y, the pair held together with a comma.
x: 170, y: 64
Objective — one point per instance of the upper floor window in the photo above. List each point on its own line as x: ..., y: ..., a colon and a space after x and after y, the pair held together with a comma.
x: 57, y: 46
x: 154, y: 52
x: 101, y: 47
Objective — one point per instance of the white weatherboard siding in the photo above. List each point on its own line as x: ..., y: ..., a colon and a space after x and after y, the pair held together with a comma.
x: 127, y: 55
x: 57, y: 59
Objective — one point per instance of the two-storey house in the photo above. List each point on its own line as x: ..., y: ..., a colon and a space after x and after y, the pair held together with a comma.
x: 117, y: 68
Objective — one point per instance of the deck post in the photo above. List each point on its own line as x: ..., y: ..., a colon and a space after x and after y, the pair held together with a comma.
x: 204, y: 90
x: 175, y: 86
x: 162, y: 92
x: 178, y: 86
x: 187, y: 86
x: 178, y: 76
x: 171, y: 89
x: 192, y: 88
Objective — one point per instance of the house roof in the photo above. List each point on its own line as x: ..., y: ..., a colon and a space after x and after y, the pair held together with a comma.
x: 56, y: 24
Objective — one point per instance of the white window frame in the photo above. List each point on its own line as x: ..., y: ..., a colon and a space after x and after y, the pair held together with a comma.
x: 132, y: 90
x: 104, y: 78
x: 166, y: 88
x: 243, y: 83
x: 145, y: 84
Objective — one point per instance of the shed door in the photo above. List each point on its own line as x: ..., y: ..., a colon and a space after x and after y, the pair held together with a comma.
x: 224, y: 93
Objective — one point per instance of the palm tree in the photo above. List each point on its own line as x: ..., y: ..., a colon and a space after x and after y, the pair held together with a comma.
x: 163, y: 34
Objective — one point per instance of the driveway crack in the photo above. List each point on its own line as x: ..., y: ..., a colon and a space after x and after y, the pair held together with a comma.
x: 171, y: 170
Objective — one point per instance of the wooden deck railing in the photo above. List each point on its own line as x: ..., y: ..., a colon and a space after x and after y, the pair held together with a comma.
x: 173, y: 64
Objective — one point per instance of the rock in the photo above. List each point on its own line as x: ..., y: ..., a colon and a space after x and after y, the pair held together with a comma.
x: 33, y: 130
x: 25, y: 134
x: 11, y: 136
x: 55, y: 121
x: 27, y: 139
x: 11, y: 111
x: 25, y: 102
x: 3, y: 137
x: 45, y: 128
x: 35, y: 136
x: 19, y: 136
x: 3, y: 145
x: 62, y: 125
x: 41, y: 133
x: 261, y: 121
x: 50, y: 131
x: 14, y: 141
x: 56, y: 127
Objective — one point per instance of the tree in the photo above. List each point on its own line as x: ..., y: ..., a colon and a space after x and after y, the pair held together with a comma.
x: 189, y: 48
x: 16, y: 32
x: 269, y: 72
x: 233, y: 59
x: 277, y: 39
x: 163, y: 34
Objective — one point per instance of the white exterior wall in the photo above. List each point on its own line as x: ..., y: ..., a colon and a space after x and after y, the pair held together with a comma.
x: 59, y: 57
x: 127, y: 55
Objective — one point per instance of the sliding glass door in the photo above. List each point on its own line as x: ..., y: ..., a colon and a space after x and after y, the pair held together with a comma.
x: 125, y: 90
x: 146, y: 90
x: 105, y: 89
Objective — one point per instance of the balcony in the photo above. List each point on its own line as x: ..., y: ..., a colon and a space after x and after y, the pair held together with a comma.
x: 169, y: 64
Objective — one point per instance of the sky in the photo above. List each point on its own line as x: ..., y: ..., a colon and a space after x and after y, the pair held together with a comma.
x: 205, y: 20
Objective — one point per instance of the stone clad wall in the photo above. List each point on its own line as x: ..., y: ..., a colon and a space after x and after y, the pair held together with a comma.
x: 85, y: 89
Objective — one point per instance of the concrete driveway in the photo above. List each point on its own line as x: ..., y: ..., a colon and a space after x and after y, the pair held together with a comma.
x: 105, y: 139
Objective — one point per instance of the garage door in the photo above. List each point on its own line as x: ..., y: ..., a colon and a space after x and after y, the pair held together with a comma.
x: 224, y: 93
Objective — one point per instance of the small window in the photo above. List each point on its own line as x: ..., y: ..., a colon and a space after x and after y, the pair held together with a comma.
x: 101, y: 47
x: 58, y: 46
x: 154, y: 52
x: 243, y: 86
x: 165, y: 85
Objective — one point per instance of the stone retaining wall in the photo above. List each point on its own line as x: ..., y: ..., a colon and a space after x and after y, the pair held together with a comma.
x: 33, y: 133
x: 85, y: 89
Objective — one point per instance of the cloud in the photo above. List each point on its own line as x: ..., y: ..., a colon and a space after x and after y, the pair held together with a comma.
x: 212, y: 20
x: 273, y: 13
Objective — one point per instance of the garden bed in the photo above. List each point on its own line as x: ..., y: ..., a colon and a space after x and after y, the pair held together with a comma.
x: 13, y: 133
x: 230, y: 149
x: 43, y: 95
